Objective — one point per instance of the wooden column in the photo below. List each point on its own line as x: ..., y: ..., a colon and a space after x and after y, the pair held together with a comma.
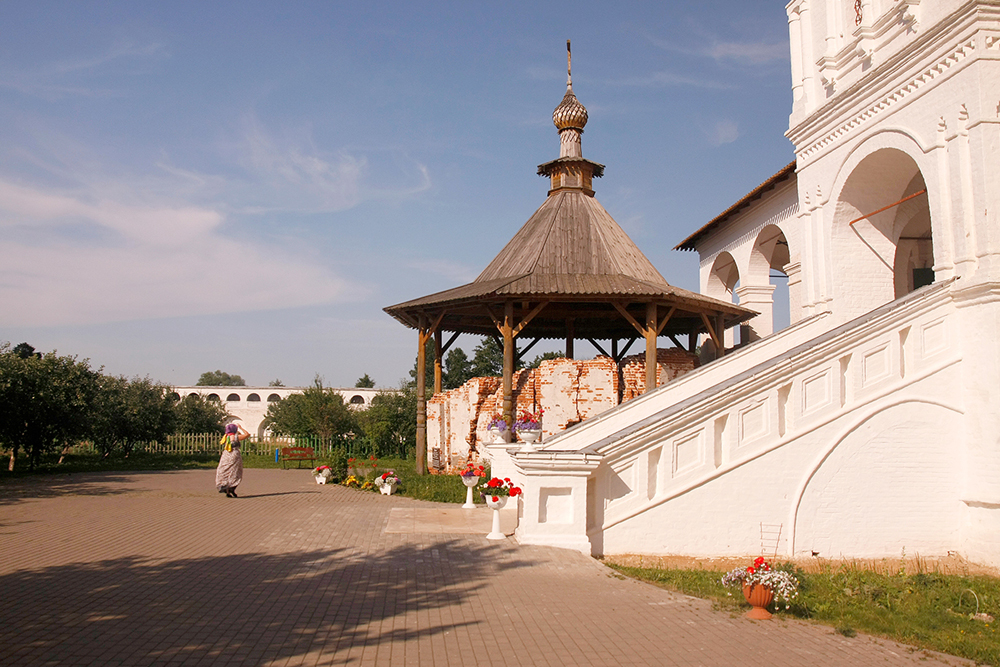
x: 437, y: 361
x: 650, y: 335
x: 507, y: 329
x: 619, y: 376
x: 720, y: 333
x: 570, y: 335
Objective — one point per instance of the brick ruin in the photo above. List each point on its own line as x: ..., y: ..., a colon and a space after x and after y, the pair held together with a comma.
x: 567, y: 390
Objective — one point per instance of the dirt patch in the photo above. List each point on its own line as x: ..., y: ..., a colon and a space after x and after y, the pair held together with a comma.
x: 953, y: 564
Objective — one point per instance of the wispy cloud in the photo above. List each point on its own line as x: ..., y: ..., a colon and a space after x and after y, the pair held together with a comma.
x: 150, y: 260
x: 289, y: 172
x: 734, y: 52
x: 69, y: 78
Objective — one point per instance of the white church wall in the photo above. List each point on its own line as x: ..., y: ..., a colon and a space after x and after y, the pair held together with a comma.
x: 857, y: 453
x: 738, y: 238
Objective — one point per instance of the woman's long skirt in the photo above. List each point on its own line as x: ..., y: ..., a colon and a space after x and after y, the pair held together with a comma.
x: 230, y: 471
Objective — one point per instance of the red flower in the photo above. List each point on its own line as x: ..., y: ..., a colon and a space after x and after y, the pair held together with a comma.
x: 495, y: 499
x: 750, y: 570
x: 493, y: 483
x: 515, y: 491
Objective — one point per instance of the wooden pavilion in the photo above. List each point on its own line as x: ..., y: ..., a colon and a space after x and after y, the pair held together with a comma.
x: 569, y: 273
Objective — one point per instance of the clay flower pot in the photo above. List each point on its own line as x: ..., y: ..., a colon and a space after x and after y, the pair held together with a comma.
x: 759, y: 597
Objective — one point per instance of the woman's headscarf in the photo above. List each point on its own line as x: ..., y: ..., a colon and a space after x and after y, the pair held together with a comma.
x: 231, y: 428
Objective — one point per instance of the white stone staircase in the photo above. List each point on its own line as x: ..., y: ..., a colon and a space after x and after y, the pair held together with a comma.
x: 674, y: 471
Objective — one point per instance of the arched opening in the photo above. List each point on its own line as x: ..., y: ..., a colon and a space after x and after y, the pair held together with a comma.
x: 723, y: 281
x: 881, y: 233
x: 233, y: 397
x: 273, y: 398
x: 214, y: 397
x: 174, y: 396
x: 193, y: 395
x: 254, y: 397
x: 767, y: 284
x: 914, y: 259
x: 357, y: 400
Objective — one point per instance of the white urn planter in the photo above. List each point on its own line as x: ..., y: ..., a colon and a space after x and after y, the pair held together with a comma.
x: 323, y: 477
x: 387, y: 489
x: 496, y: 506
x: 528, y: 438
x: 469, y: 481
x: 498, y: 436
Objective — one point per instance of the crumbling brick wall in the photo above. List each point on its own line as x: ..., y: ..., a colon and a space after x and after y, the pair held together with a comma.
x: 567, y: 390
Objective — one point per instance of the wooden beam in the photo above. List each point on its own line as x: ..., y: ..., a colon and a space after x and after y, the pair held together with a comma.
x: 624, y: 351
x: 519, y: 354
x: 651, y: 365
x: 601, y: 349
x: 508, y: 362
x: 631, y: 320
x: 530, y: 316
x: 438, y: 335
x: 451, y: 340
x: 719, y: 345
x: 569, y: 337
x: 666, y: 319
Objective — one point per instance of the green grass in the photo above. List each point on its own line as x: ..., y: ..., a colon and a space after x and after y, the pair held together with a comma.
x: 437, y: 488
x: 925, y: 609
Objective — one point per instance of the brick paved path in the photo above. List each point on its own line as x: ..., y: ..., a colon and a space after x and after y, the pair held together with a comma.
x: 158, y: 568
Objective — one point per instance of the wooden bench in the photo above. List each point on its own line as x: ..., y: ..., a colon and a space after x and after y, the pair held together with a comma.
x: 297, y: 454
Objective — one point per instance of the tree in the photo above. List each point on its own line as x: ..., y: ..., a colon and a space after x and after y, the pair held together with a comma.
x: 194, y: 414
x: 457, y: 369
x: 391, y: 420
x: 428, y: 368
x: 275, y: 383
x: 129, y: 412
x: 23, y: 350
x: 365, y: 382
x: 220, y: 379
x: 318, y: 411
x: 47, y: 401
x: 488, y: 359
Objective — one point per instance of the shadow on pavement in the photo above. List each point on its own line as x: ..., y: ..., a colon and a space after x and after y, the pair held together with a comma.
x: 249, y: 608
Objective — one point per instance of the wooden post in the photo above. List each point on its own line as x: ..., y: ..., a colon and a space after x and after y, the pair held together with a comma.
x: 619, y: 376
x: 508, y: 362
x: 569, y: 337
x: 720, y: 333
x: 437, y: 361
x: 421, y: 397
x: 650, y: 332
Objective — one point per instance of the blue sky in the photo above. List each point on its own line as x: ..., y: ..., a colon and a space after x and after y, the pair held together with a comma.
x: 245, y: 185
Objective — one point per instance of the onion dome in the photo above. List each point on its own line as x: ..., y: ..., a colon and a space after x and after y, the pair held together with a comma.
x: 570, y: 114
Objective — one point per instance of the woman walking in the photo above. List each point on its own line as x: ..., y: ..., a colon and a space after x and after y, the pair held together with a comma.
x: 230, y: 472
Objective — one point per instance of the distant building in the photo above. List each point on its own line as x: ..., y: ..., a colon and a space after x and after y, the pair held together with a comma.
x: 248, y: 405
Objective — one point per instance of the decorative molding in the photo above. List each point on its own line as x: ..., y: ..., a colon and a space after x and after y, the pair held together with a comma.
x: 888, y: 101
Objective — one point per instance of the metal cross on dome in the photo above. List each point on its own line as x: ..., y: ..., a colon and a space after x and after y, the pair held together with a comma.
x: 858, y: 9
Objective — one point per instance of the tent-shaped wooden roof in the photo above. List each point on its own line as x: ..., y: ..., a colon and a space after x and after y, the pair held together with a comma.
x: 572, y: 256
x: 571, y: 270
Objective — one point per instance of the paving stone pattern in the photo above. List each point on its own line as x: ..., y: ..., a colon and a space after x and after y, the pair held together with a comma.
x: 159, y: 568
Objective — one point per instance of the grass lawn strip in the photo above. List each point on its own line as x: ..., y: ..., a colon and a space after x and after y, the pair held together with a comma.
x: 923, y: 603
